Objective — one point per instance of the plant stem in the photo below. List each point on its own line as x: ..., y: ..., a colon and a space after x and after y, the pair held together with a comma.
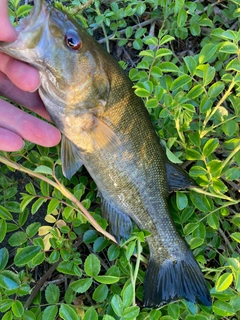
x: 220, y: 102
x: 134, y: 278
x: 64, y: 191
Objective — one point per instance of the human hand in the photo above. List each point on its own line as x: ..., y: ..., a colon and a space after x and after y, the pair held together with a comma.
x: 18, y: 81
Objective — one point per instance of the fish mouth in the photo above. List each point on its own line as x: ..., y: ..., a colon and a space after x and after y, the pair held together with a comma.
x: 28, y: 21
x: 29, y: 31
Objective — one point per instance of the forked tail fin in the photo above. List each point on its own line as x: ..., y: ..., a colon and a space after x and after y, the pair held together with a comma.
x: 175, y: 280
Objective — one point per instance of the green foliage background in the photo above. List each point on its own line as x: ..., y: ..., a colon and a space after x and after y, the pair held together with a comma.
x: 183, y: 58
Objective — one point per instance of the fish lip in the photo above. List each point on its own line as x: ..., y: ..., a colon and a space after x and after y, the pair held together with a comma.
x: 39, y: 8
x: 27, y: 28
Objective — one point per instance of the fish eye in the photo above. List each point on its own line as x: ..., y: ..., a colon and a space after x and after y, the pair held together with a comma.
x: 73, y: 40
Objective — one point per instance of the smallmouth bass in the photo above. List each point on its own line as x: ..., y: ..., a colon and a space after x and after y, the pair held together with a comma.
x: 106, y: 127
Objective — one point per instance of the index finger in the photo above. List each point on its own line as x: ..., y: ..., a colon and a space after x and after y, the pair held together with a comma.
x: 7, y: 32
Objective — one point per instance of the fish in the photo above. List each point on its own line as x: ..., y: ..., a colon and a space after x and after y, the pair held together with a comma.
x: 107, y: 128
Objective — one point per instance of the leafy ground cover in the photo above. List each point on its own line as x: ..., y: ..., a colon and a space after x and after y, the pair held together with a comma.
x: 183, y: 59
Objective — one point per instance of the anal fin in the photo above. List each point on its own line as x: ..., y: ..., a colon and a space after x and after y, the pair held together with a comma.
x: 120, y: 225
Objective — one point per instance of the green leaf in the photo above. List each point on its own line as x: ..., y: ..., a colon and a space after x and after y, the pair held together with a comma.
x: 142, y: 92
x: 113, y: 252
x: 3, y: 229
x: 197, y: 171
x: 168, y: 67
x: 213, y: 221
x: 29, y: 315
x: 137, y: 44
x: 100, y: 293
x: 224, y: 282
x: 117, y: 305
x: 181, y: 200
x: 107, y: 279
x: 30, y: 188
x: 17, y: 308
x: 210, y: 146
x: 99, y: 244
x: 215, y: 168
x: 207, y: 52
x: 208, y: 74
x: 9, y: 280
x: 43, y: 169
x: 166, y: 39
x: 131, y: 312
x: 201, y: 202
x: 25, y: 255
x: 32, y: 229
x: 233, y: 173
x: 216, y: 89
x: 151, y: 103
x: 90, y: 236
x: 127, y: 295
x: 67, y: 313
x: 26, y: 200
x: 223, y: 308
x: 17, y: 239
x: 229, y: 47
x: 180, y: 82
x: 195, y: 242
x: 37, y: 204
x: 4, y: 255
x: 195, y: 92
x: 181, y: 18
x: 156, y: 72
x: 233, y: 65
x: 5, y: 305
x: 91, y: 314
x: 236, y: 236
x: 81, y: 285
x: 173, y: 311
x: 23, y: 10
x: 162, y: 52
x: 230, y: 128
x: 7, y: 316
x: 53, y: 204
x: 192, y: 154
x: 44, y: 186
x: 92, y: 265
x: 5, y: 214
x: 129, y: 32
x: 191, y: 64
x: 52, y: 293
x: 50, y: 313
x: 107, y: 317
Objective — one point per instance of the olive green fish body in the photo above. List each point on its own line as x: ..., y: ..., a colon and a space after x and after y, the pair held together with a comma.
x: 106, y: 127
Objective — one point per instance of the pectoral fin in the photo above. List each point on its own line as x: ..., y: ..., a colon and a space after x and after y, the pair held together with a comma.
x: 103, y: 136
x: 71, y: 160
x: 120, y: 225
x: 177, y: 178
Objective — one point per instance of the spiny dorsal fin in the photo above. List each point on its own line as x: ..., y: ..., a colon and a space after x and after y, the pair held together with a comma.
x: 70, y: 156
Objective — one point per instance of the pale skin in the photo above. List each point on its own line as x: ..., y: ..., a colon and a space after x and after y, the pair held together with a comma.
x: 19, y: 82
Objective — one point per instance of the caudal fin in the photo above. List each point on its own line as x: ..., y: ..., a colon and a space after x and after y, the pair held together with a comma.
x: 175, y: 279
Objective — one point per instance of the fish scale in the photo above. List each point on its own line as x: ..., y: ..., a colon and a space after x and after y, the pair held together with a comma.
x: 106, y: 127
